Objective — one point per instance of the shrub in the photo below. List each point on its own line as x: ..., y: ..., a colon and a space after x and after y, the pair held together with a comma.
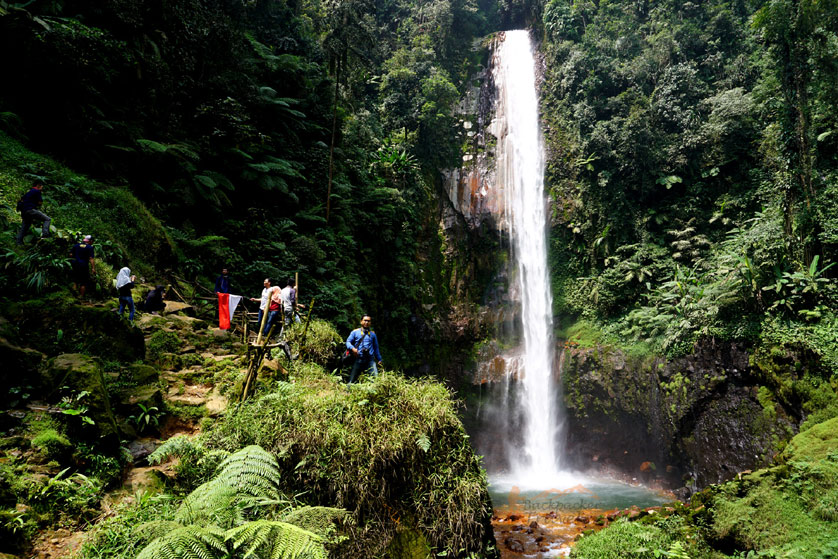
x: 386, y: 449
x: 322, y: 341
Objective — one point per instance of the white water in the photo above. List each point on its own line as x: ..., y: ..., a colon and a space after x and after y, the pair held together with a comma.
x: 520, y: 174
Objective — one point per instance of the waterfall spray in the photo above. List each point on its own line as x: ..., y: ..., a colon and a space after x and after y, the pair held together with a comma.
x: 520, y: 173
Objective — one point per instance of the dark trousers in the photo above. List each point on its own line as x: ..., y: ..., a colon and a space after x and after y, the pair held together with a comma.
x: 30, y: 216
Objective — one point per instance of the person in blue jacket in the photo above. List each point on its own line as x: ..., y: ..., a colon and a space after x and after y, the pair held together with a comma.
x: 29, y: 207
x: 363, y: 343
x: 222, y: 282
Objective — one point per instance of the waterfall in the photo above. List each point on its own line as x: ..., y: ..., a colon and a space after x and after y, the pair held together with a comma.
x: 520, y: 176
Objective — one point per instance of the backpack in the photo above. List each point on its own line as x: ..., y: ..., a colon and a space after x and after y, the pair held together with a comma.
x: 19, y: 206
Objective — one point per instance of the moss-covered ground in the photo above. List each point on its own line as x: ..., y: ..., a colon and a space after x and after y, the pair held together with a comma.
x: 787, y: 510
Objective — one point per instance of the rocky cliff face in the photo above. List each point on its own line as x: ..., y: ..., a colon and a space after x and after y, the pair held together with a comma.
x: 692, y: 421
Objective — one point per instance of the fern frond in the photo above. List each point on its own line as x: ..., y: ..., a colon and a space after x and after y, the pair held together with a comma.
x: 277, y: 540
x: 156, y: 529
x: 187, y: 542
x: 320, y: 520
x: 243, y: 479
x: 179, y: 445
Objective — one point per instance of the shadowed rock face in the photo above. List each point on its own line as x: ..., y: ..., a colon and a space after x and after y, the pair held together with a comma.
x: 695, y: 420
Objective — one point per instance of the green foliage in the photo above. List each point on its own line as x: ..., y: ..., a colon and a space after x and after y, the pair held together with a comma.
x: 210, y: 521
x: 148, y: 417
x: 322, y: 341
x: 54, y: 445
x: 73, y: 496
x: 39, y: 269
x: 620, y: 539
x: 324, y: 435
x: 116, y: 536
x: 668, y: 224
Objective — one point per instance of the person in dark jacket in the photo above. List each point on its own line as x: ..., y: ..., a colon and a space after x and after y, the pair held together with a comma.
x: 363, y: 343
x: 82, y: 263
x: 154, y: 300
x: 222, y: 283
x: 29, y: 211
x: 124, y: 284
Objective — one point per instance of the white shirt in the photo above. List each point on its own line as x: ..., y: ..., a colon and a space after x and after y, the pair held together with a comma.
x: 286, y: 295
x: 263, y: 304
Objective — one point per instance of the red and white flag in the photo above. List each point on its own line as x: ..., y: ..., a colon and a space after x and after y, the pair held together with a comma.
x: 226, y: 307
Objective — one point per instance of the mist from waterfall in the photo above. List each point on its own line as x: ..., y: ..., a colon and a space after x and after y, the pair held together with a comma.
x: 520, y: 175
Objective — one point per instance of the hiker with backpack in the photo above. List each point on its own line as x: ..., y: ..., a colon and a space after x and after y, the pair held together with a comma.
x: 363, y: 344
x: 81, y: 260
x: 28, y: 206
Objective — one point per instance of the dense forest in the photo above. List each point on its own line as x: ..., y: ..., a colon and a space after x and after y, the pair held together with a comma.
x: 692, y: 177
x: 268, y: 137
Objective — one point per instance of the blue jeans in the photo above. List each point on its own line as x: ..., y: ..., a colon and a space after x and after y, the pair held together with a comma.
x: 272, y: 318
x: 28, y: 217
x: 129, y: 302
x: 291, y: 315
x: 363, y: 366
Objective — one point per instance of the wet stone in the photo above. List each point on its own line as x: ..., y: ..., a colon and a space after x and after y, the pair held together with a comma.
x: 513, y: 545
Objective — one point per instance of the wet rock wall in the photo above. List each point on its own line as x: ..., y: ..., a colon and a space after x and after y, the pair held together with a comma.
x: 690, y: 422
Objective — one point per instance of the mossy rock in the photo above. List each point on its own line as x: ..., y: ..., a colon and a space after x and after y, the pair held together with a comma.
x: 816, y: 443
x: 56, y: 324
x: 148, y: 395
x: 161, y: 343
x: 81, y: 373
x: 408, y: 543
x: 169, y: 361
x: 140, y: 374
x: 53, y: 445
x: 20, y: 365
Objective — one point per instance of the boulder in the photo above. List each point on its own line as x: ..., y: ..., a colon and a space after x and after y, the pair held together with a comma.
x: 81, y: 373
x: 20, y: 366
x: 142, y: 374
x: 149, y: 395
x: 176, y: 307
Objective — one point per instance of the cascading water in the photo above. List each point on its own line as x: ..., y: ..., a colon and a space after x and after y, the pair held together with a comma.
x: 520, y: 175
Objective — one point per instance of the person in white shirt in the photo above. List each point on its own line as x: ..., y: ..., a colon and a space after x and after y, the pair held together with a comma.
x: 289, y: 302
x: 263, y: 301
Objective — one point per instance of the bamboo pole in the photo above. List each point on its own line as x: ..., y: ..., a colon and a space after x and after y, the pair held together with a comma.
x: 264, y: 318
x: 254, y: 366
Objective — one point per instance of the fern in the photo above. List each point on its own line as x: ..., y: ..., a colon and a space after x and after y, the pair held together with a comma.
x: 179, y: 445
x: 320, y: 520
x: 276, y: 540
x: 242, y: 480
x: 187, y: 542
x: 246, y: 479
